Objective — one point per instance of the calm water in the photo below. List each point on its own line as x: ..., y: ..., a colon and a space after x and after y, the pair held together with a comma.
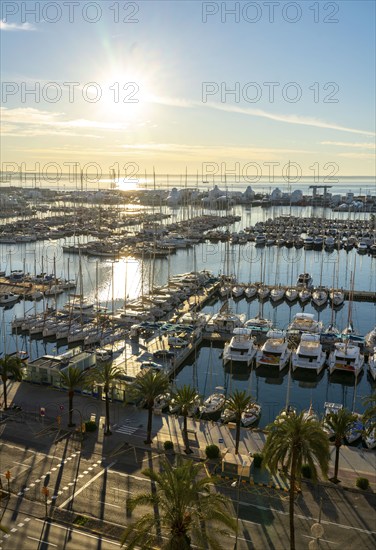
x: 110, y: 282
x: 339, y: 185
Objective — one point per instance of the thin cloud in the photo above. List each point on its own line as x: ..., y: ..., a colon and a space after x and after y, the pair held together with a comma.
x: 365, y: 156
x: 260, y: 113
x: 213, y: 153
x: 348, y: 144
x: 40, y: 122
x: 15, y: 27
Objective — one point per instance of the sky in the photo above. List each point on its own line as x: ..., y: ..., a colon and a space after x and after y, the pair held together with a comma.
x: 208, y: 87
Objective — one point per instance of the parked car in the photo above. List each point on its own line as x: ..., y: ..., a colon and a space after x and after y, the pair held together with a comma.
x: 151, y: 365
x: 163, y: 354
x: 175, y: 341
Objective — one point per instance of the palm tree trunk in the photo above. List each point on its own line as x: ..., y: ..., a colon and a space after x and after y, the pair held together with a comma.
x: 292, y: 499
x: 108, y: 431
x: 336, y: 463
x: 5, y: 394
x: 185, y: 435
x: 237, y: 436
x: 70, y: 395
x: 150, y: 420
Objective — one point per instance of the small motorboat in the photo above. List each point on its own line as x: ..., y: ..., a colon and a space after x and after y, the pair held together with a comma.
x: 330, y: 408
x: 369, y: 436
x: 8, y: 299
x: 355, y: 432
x: 251, y: 415
x: 213, y: 405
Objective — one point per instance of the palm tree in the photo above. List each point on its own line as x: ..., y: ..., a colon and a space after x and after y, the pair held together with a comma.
x: 184, y: 502
x: 237, y: 403
x: 339, y: 422
x: 105, y: 374
x: 10, y: 366
x: 185, y: 398
x: 146, y: 386
x: 369, y: 415
x: 293, y: 441
x: 73, y: 378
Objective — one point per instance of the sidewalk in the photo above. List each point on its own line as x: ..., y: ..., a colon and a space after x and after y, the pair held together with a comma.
x: 129, y: 427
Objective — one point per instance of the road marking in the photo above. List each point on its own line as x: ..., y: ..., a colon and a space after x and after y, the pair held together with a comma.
x: 33, y: 452
x: 144, y: 479
x: 43, y: 541
x: 87, y: 484
x: 301, y: 516
x: 108, y: 504
x: 82, y: 533
x: 21, y: 464
x: 321, y: 540
x: 126, y: 429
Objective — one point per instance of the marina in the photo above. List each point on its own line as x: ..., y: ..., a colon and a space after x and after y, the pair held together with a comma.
x: 132, y: 296
x: 187, y: 275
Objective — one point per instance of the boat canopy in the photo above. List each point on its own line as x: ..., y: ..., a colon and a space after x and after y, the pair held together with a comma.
x: 242, y: 331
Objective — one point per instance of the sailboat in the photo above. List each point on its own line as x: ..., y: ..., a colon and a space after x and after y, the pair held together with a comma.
x: 310, y: 414
x: 346, y: 356
x: 320, y: 293
x: 372, y: 364
x: 277, y: 292
x: 225, y: 320
x: 336, y: 295
x: 251, y: 289
x: 263, y: 291
x: 356, y: 429
x: 213, y: 405
x: 304, y: 284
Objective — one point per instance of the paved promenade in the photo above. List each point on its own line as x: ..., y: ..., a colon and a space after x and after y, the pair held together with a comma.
x: 129, y: 429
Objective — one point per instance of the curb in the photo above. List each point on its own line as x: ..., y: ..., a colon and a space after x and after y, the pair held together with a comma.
x: 339, y: 487
x: 256, y: 484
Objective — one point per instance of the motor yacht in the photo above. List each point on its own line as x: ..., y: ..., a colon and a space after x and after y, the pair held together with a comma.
x: 305, y: 322
x: 309, y: 354
x: 346, y: 358
x: 274, y: 351
x: 241, y: 348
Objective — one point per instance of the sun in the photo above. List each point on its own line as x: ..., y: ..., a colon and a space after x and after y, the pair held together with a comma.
x: 125, y: 95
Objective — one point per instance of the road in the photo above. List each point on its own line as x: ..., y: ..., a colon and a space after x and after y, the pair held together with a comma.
x: 30, y: 533
x: 81, y: 481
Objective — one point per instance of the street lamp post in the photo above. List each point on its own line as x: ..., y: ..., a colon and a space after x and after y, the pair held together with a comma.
x: 237, y: 485
x: 46, y: 493
x: 317, y: 531
x: 8, y: 475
